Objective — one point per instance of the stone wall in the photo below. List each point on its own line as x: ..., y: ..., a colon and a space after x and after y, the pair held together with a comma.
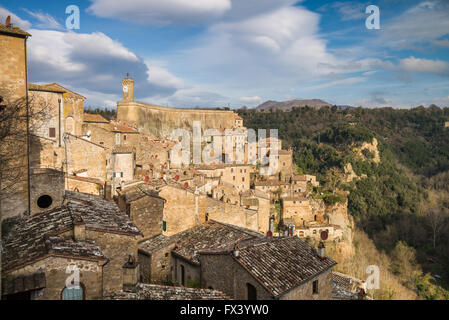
x: 192, y: 273
x: 232, y: 214
x: 74, y: 109
x: 161, y: 121
x: 13, y: 82
x: 46, y: 183
x: 232, y: 279
x: 85, y: 185
x: 305, y: 291
x: 229, y: 277
x: 147, y: 214
x: 83, y: 154
x: 116, y: 247
x: 55, y: 274
x: 183, y: 210
x: 13, y: 66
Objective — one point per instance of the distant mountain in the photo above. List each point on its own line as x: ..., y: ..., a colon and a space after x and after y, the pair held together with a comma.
x: 288, y: 105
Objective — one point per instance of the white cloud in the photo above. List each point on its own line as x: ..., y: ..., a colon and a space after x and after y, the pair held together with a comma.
x: 94, y: 64
x: 413, y: 64
x: 158, y: 12
x: 441, y: 101
x: 15, y: 20
x: 346, y: 82
x: 46, y: 20
x: 442, y: 43
x: 423, y: 23
x: 250, y: 100
x: 159, y: 75
x: 349, y: 10
x: 191, y: 97
x: 276, y: 47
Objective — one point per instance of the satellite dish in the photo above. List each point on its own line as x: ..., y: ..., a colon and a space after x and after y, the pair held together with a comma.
x: 324, y: 235
x: 8, y: 21
x: 89, y: 134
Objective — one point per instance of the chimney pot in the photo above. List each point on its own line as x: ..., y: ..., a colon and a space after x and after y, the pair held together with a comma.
x: 130, y: 274
x: 321, y: 250
x: 79, y: 229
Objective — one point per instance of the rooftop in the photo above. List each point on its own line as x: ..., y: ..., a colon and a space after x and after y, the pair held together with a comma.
x: 344, y: 287
x: 93, y: 117
x: 122, y: 128
x: 270, y: 183
x: 44, y: 87
x: 280, y: 264
x: 13, y: 30
x: 208, y: 235
x: 36, y: 237
x: 158, y: 292
x: 139, y: 191
x: 100, y: 214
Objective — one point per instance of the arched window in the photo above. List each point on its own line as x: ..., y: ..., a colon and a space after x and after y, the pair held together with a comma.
x: 70, y: 125
x: 73, y: 293
x: 251, y: 292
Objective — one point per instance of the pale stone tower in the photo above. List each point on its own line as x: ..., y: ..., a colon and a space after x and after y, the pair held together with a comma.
x: 128, y: 89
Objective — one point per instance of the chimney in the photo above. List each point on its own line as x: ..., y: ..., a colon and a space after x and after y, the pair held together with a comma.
x: 321, y: 251
x: 236, y: 251
x: 271, y: 224
x: 79, y: 229
x: 130, y: 274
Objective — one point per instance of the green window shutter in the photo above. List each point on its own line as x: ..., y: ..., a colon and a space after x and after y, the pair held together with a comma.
x: 164, y: 225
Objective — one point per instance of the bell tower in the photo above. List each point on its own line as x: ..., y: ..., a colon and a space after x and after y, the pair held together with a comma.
x: 128, y: 89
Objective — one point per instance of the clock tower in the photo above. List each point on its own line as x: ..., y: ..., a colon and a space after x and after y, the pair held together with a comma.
x: 128, y: 89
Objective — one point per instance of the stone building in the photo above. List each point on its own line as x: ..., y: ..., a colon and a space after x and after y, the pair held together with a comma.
x: 161, y: 121
x: 144, y: 207
x: 121, y: 166
x: 49, y: 100
x: 298, y: 209
x: 86, y: 155
x: 268, y: 268
x: 184, y: 208
x: 233, y: 214
x: 260, y: 201
x: 275, y: 188
x: 47, y: 189
x: 236, y: 175
x: 14, y: 198
x: 87, y: 232
x: 175, y: 259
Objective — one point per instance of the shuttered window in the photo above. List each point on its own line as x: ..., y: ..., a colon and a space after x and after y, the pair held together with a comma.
x: 52, y: 132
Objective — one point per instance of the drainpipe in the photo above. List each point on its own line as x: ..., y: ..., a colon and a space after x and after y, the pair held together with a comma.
x: 28, y: 128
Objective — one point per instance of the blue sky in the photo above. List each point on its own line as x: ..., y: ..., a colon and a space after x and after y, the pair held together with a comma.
x: 215, y: 53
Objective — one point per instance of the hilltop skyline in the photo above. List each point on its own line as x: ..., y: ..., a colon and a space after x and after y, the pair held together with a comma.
x: 232, y: 53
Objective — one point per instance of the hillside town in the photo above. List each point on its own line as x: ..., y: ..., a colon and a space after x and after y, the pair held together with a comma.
x: 104, y: 203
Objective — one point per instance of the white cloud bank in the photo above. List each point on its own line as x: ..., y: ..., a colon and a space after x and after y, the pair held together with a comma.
x: 157, y: 12
x: 413, y: 64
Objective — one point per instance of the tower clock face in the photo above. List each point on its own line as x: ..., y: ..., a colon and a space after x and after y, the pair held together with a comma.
x: 125, y: 88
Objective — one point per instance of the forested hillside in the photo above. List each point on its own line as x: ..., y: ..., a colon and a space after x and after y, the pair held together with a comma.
x: 400, y: 199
